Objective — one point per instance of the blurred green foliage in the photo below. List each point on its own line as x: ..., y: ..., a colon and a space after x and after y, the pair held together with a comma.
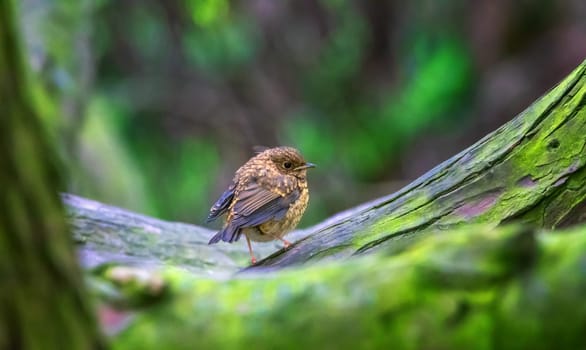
x: 373, y: 132
x: 156, y: 103
x: 206, y: 13
x: 217, y: 50
x: 219, y: 40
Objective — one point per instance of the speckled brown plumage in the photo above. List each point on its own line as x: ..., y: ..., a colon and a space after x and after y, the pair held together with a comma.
x: 266, y: 199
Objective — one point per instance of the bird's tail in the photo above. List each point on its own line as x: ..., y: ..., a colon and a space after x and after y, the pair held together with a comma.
x: 227, y: 234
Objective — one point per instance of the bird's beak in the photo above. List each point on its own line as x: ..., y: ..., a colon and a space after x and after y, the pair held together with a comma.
x: 305, y: 166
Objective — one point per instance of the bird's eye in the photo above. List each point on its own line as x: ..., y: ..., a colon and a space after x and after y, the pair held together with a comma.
x: 287, y: 165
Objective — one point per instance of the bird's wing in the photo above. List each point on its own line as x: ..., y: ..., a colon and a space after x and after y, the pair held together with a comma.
x: 257, y: 204
x: 222, y: 204
x: 254, y: 205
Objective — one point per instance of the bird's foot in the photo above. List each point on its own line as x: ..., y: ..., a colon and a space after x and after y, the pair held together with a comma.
x: 287, y: 244
x: 252, y: 258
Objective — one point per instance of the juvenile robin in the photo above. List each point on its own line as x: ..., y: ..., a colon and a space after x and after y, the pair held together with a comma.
x: 266, y: 199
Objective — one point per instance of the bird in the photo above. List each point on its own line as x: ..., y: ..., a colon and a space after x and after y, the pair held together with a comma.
x: 266, y: 199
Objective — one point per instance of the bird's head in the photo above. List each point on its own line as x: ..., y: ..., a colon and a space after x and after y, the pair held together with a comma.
x: 288, y: 161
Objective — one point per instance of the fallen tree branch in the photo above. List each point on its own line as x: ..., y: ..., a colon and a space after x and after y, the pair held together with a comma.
x: 532, y: 170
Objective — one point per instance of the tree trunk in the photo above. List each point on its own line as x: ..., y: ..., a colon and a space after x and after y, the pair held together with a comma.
x: 43, y: 302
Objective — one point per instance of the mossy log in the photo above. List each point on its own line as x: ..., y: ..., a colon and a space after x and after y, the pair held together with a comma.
x: 107, y: 234
x: 477, y: 287
x: 531, y: 170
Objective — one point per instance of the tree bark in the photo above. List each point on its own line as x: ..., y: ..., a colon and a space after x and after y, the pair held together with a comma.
x: 43, y: 301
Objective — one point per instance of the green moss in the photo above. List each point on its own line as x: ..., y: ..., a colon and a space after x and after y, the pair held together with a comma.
x: 473, y: 288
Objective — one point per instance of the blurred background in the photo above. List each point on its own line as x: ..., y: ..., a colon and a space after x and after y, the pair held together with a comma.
x: 155, y: 103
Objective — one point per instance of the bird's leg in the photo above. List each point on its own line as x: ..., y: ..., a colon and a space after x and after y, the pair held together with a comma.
x: 252, y: 258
